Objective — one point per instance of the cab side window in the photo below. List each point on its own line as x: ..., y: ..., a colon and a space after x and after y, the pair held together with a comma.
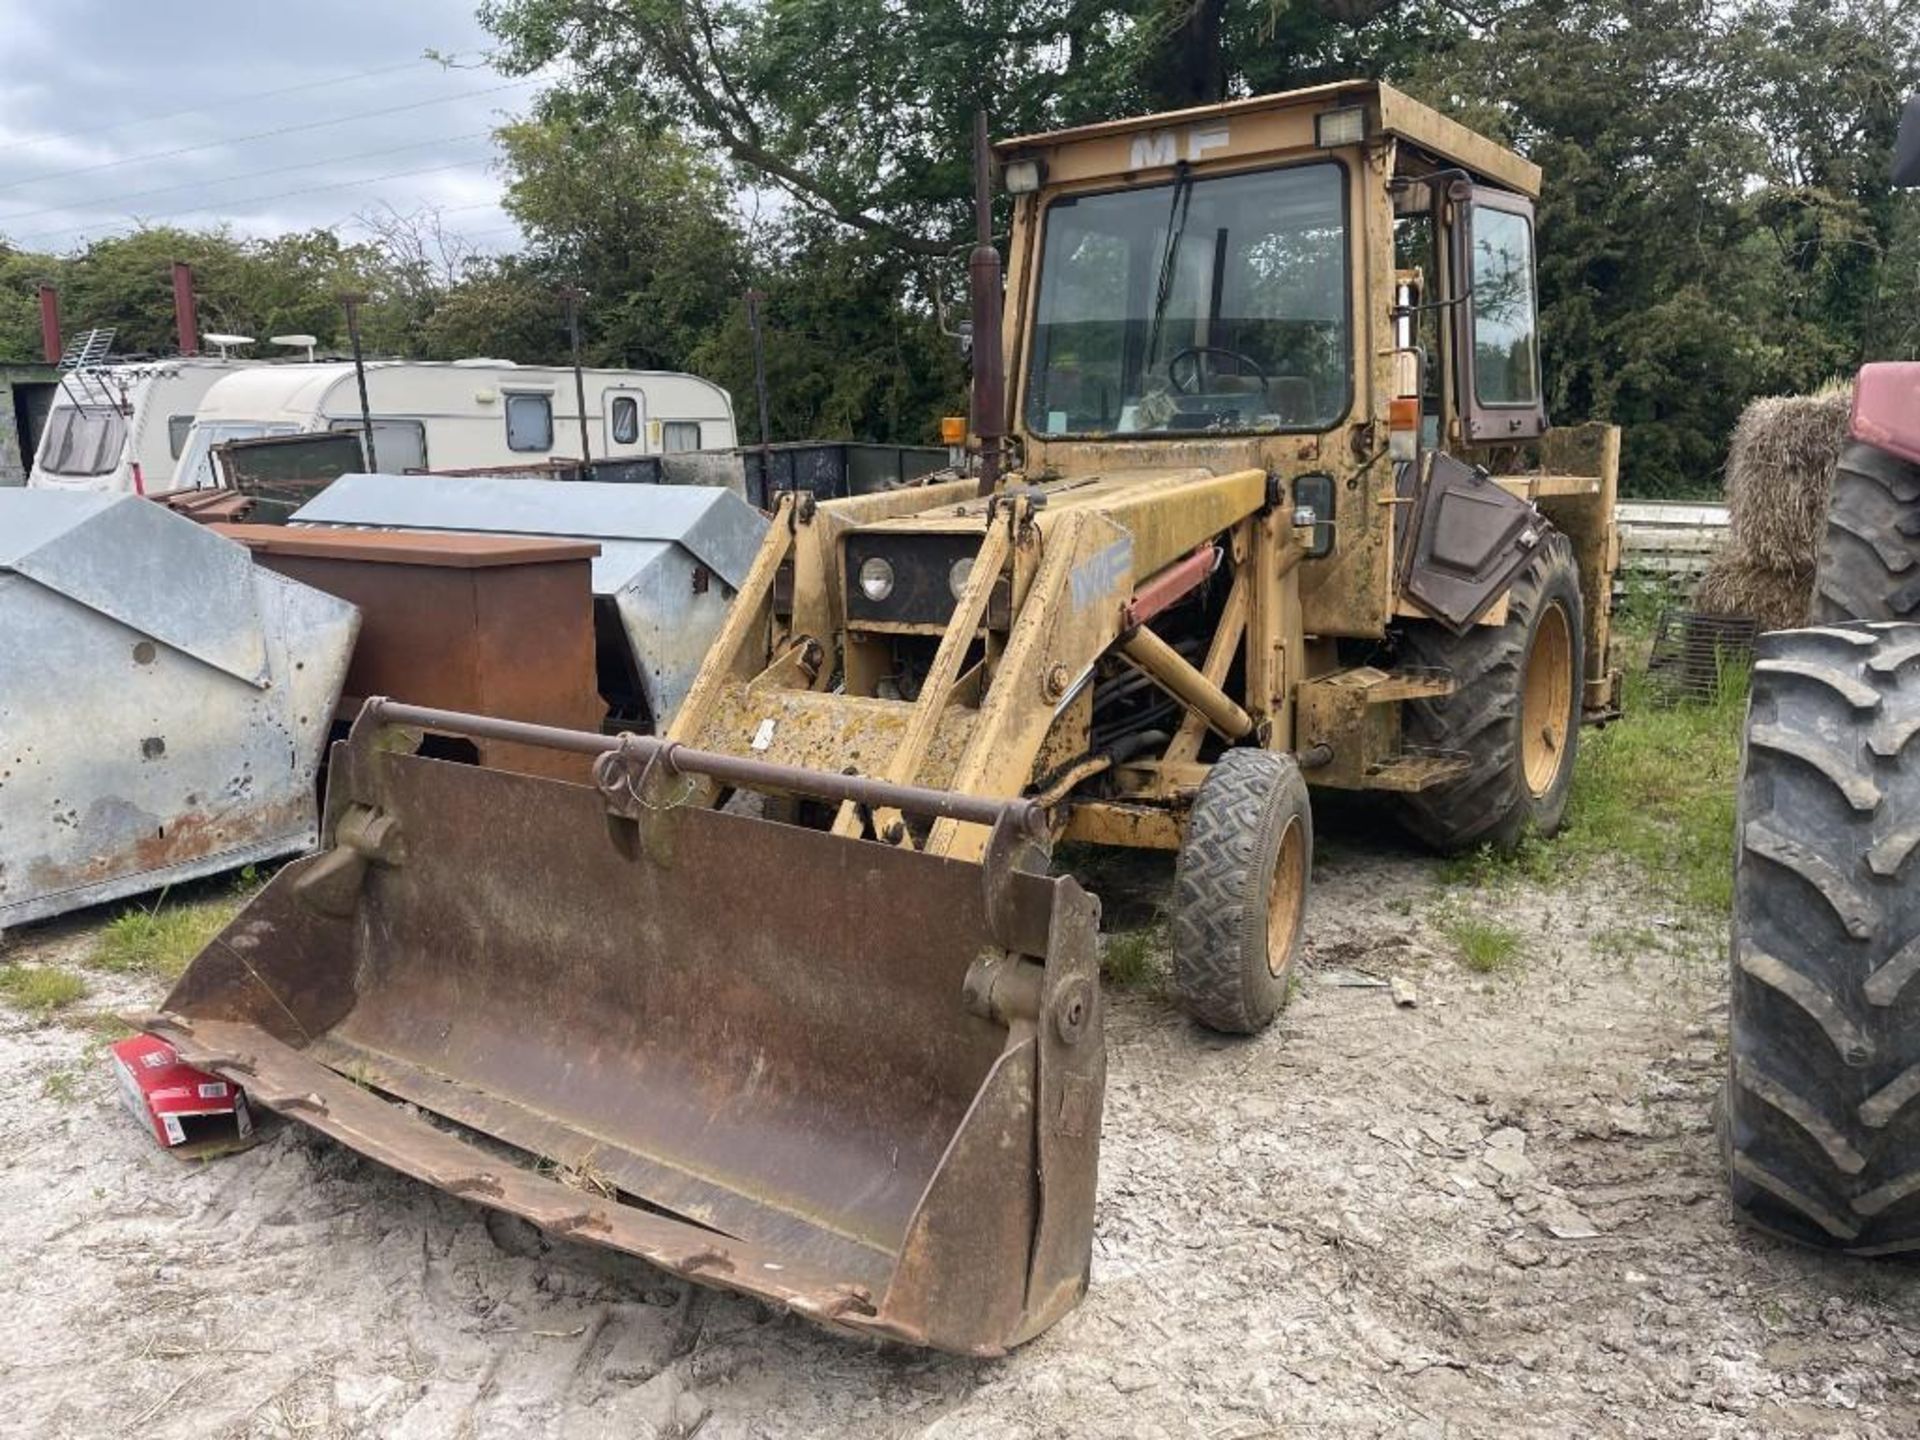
x: 1506, y: 356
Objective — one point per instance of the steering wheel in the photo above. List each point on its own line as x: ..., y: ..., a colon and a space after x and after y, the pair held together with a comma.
x: 1194, y: 354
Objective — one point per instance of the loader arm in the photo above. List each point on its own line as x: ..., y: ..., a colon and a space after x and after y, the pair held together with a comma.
x: 1065, y: 559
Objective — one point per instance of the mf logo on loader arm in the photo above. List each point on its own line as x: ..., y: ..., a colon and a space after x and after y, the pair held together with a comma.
x: 1163, y: 147
x: 1095, y: 578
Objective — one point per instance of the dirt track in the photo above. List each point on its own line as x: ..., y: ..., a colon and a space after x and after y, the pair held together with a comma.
x: 1495, y: 1213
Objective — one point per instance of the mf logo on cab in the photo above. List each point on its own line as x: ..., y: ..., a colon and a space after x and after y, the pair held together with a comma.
x: 1163, y: 147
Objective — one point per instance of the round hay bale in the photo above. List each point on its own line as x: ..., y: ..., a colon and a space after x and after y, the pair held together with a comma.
x: 1779, y: 473
x: 1734, y: 585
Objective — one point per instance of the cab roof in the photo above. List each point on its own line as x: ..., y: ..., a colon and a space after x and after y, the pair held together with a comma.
x: 1117, y: 147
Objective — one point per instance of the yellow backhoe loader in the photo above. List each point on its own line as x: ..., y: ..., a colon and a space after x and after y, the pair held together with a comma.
x: 1271, y: 501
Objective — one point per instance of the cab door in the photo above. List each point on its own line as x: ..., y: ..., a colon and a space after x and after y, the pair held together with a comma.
x: 1497, y: 328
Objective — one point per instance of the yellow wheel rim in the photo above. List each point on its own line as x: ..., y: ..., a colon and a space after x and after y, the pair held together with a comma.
x: 1546, y: 701
x: 1284, y: 900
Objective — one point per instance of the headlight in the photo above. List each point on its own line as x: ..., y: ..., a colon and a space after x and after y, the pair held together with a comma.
x: 876, y: 579
x: 958, y: 574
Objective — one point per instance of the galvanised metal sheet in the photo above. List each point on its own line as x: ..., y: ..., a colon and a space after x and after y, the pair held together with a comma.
x: 715, y: 526
x: 163, y: 704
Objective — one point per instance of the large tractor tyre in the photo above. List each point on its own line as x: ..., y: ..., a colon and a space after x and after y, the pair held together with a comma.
x: 1514, y: 712
x: 1870, y: 558
x: 1820, y: 1124
x: 1240, y: 891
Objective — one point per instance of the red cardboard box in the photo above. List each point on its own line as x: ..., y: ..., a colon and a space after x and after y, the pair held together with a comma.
x: 190, y: 1112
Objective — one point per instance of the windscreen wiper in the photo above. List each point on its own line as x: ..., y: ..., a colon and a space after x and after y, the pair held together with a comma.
x: 1176, y: 228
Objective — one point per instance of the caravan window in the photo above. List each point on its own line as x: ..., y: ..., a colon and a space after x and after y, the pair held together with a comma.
x: 177, y: 428
x: 529, y: 422
x: 398, y: 445
x: 83, y: 441
x: 626, y: 420
x: 678, y: 436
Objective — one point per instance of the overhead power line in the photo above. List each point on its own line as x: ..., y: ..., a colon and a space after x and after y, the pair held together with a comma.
x: 231, y: 179
x: 249, y: 200
x: 269, y: 134
x: 47, y: 139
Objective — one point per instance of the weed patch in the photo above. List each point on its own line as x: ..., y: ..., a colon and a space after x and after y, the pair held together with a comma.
x: 163, y: 940
x: 1131, y: 959
x: 40, y: 989
x: 1484, y: 946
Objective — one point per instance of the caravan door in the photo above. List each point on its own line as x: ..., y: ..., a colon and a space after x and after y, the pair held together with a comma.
x: 623, y: 414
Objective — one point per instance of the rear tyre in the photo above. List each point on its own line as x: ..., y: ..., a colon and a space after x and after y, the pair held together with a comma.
x: 1870, y: 558
x: 1240, y: 891
x: 1820, y: 1119
x: 1515, y: 711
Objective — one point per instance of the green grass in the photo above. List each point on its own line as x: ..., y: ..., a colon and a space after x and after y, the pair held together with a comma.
x: 1532, y: 859
x: 1131, y: 959
x: 161, y: 941
x: 40, y: 989
x: 1658, y: 788
x: 1484, y: 946
x: 1627, y: 943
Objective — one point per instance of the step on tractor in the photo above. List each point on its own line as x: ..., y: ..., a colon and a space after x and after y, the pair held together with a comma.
x: 1818, y: 1121
x: 788, y: 1000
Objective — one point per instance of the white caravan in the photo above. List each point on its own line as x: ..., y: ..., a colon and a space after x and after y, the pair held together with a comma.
x: 120, y: 427
x: 462, y: 414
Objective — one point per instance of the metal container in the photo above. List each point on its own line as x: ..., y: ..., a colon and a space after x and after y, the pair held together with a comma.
x: 163, y: 703
x: 671, y: 559
x: 833, y: 468
x: 280, y: 473
x: 495, y: 624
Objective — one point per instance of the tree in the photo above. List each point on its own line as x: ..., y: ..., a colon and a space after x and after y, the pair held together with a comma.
x: 851, y: 349
x: 508, y: 308
x: 636, y: 217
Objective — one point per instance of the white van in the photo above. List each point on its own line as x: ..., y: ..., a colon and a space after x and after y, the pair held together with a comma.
x: 462, y: 414
x: 120, y: 427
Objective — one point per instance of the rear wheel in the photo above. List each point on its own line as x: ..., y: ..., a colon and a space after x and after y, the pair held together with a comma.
x: 1870, y: 557
x: 1240, y: 891
x: 1821, y: 1118
x: 1515, y: 711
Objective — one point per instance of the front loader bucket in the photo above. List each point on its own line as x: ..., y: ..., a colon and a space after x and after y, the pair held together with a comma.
x: 848, y: 1078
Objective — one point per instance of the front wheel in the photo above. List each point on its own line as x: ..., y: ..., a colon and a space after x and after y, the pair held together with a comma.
x: 1240, y: 891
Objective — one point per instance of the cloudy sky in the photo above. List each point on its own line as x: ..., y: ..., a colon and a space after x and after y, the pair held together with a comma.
x: 267, y: 116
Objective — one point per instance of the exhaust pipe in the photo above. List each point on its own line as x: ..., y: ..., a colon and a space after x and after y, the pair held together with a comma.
x: 983, y: 271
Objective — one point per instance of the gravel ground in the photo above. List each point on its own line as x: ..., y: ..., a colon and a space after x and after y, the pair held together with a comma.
x: 1495, y: 1212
